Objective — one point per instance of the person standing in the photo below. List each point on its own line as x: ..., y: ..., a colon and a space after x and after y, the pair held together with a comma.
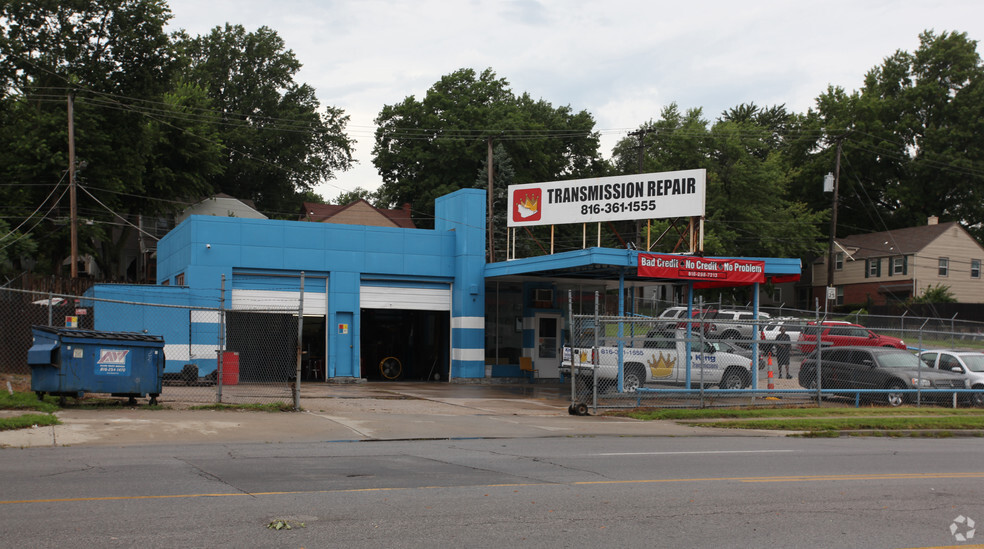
x: 782, y: 351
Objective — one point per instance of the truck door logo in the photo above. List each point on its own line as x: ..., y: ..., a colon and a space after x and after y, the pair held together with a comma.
x: 661, y: 366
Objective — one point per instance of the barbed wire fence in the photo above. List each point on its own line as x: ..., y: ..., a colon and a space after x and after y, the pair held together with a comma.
x: 223, y: 355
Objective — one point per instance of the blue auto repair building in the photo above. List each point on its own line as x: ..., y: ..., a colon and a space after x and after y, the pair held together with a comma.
x: 424, y: 295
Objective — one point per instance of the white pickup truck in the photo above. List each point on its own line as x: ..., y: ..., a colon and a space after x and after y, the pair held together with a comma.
x: 662, y: 359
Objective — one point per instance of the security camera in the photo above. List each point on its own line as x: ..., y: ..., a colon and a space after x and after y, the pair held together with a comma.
x: 208, y: 245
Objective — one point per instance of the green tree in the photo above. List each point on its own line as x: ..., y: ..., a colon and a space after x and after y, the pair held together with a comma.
x: 433, y: 146
x: 358, y: 193
x: 115, y: 57
x: 750, y: 209
x: 910, y: 139
x: 279, y: 141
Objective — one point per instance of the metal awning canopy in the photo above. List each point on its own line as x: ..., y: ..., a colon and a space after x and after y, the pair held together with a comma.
x: 610, y: 264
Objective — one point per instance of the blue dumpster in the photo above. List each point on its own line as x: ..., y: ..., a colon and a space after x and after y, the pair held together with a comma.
x: 72, y: 362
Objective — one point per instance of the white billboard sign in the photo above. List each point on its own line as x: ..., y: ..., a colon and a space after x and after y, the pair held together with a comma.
x: 621, y: 197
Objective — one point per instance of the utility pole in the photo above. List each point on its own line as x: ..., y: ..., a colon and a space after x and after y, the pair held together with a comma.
x: 641, y: 134
x: 73, y: 207
x: 833, y: 221
x: 490, y: 214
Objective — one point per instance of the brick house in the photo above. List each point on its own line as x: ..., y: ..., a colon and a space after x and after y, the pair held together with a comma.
x: 892, y: 266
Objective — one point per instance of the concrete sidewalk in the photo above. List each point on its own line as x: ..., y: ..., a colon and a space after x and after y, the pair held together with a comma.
x: 350, y: 412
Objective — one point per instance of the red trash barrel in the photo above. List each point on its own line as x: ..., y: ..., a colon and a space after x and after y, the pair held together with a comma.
x: 230, y: 368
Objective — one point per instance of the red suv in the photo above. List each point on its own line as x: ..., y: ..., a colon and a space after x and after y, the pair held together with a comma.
x: 838, y: 334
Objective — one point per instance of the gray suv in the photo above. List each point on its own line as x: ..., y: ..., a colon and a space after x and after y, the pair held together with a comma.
x: 735, y: 325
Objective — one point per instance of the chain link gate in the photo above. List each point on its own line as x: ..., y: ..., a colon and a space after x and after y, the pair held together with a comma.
x: 223, y: 356
x: 639, y: 361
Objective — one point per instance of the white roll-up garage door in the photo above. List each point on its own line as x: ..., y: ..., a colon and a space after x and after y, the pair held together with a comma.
x: 429, y: 298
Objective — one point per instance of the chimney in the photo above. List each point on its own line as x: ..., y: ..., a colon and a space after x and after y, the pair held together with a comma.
x: 932, y: 220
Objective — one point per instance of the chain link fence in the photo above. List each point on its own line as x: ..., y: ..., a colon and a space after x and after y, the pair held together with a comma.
x: 640, y: 361
x: 213, y: 355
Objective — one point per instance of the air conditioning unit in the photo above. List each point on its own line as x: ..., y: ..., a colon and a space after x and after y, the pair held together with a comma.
x: 543, y: 298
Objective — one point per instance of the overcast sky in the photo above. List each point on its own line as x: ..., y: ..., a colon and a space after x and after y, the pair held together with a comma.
x: 621, y: 60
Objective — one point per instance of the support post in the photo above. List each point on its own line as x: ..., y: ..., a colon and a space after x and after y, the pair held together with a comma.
x: 219, y: 370
x: 300, y: 334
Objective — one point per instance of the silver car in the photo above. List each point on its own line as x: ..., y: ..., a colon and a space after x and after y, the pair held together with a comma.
x: 968, y: 363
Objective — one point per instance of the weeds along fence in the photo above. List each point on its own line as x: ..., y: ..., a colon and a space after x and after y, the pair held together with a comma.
x: 213, y: 354
x: 614, y: 362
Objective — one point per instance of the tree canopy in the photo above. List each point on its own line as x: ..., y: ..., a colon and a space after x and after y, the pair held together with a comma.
x: 277, y: 140
x: 431, y: 147
x: 160, y: 121
x: 910, y: 138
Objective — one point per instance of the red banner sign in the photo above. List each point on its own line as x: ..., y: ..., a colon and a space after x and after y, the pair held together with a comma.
x: 711, y: 272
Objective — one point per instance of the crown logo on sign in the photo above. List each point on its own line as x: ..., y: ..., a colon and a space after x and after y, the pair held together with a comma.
x: 528, y: 206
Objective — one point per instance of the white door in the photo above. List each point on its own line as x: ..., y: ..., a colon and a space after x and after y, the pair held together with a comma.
x: 546, y: 355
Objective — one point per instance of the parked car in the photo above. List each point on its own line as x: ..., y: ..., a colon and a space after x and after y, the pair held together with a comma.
x: 859, y: 367
x: 675, y: 317
x: 968, y: 363
x: 839, y: 334
x: 669, y: 317
x: 736, y: 325
x: 794, y: 327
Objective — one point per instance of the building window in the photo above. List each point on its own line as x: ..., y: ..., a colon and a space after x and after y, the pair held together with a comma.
x: 944, y: 266
x: 975, y: 268
x: 839, y: 261
x: 898, y: 265
x: 179, y: 280
x: 840, y: 295
x: 874, y: 268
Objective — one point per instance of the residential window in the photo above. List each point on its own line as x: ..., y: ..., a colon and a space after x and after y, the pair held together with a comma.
x: 874, y: 268
x: 975, y: 268
x: 944, y: 266
x: 179, y: 280
x: 898, y: 265
x: 839, y: 261
x: 840, y: 295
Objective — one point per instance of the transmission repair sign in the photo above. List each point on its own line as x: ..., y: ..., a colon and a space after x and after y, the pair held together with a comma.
x: 716, y: 271
x: 622, y: 197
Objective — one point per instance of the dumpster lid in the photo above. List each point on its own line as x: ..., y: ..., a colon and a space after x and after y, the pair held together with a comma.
x: 99, y: 334
x: 40, y: 353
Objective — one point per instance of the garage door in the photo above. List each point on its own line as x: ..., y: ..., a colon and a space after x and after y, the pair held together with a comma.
x: 415, y: 297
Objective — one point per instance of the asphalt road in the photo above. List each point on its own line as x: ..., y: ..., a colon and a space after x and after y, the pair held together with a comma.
x: 498, y: 492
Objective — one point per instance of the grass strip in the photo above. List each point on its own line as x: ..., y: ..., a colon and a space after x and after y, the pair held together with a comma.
x: 268, y: 407
x: 27, y: 401
x: 814, y: 412
x: 854, y: 423
x: 27, y: 421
